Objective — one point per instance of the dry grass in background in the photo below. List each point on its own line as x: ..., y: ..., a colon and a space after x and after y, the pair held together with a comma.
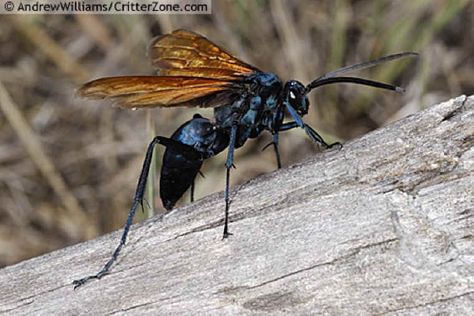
x: 68, y: 168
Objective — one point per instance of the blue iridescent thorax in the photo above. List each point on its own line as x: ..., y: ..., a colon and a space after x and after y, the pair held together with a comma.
x: 254, y: 108
x: 267, y: 86
x: 194, y: 132
x: 264, y: 92
x: 202, y: 135
x: 261, y: 98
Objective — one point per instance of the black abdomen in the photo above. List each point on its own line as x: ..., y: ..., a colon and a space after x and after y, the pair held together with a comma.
x: 181, y: 165
x: 177, y: 175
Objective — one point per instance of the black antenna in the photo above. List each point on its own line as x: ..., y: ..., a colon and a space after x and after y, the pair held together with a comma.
x: 361, y: 81
x: 331, y: 77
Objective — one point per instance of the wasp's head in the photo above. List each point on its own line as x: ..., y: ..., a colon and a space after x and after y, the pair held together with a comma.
x: 295, y: 93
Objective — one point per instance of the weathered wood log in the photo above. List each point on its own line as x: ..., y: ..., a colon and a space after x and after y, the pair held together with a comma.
x: 384, y: 225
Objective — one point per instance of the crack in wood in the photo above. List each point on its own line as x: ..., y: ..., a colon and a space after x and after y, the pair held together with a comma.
x: 441, y: 300
x: 352, y: 252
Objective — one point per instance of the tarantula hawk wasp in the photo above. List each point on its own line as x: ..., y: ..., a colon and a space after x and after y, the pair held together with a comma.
x: 193, y: 71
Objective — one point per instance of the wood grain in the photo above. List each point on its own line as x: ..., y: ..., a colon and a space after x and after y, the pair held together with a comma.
x: 382, y: 226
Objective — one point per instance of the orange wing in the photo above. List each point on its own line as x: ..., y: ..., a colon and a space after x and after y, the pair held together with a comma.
x: 192, y: 72
x: 167, y: 91
x: 184, y: 53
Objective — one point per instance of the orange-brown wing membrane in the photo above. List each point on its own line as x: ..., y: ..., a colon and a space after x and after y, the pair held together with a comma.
x: 184, y: 53
x: 166, y: 91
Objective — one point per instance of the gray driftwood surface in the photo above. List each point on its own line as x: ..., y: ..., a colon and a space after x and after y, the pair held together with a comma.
x: 383, y: 226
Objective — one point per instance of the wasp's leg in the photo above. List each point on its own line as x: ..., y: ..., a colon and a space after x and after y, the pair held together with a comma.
x: 137, y: 200
x: 315, y: 137
x: 191, y: 193
x: 193, y: 186
x: 275, y: 140
x: 228, y: 165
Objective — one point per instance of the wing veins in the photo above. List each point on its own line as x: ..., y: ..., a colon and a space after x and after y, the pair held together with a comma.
x: 200, y: 53
x: 187, y: 53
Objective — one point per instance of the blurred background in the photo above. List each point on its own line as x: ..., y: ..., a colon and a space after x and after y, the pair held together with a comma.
x: 69, y: 167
